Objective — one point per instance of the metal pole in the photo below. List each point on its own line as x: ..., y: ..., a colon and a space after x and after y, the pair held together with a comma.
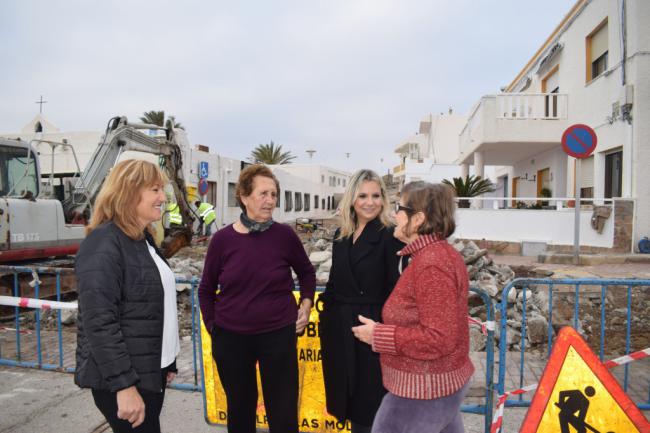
x: 576, y: 233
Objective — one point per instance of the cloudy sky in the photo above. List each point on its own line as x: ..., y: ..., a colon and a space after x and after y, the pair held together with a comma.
x: 335, y: 76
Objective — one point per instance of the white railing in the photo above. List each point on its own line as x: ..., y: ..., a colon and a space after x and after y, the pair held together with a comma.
x: 532, y: 106
x: 547, y: 203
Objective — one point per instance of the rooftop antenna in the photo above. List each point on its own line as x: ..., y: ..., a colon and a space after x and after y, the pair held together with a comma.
x: 310, y: 152
x: 40, y: 110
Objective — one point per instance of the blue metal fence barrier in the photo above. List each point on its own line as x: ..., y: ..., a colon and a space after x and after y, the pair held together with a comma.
x: 485, y: 409
x: 19, y: 358
x: 577, y: 288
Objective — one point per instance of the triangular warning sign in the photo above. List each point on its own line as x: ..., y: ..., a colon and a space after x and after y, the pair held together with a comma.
x: 578, y: 394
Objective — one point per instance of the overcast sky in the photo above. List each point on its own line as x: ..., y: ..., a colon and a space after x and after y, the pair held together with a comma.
x: 333, y: 76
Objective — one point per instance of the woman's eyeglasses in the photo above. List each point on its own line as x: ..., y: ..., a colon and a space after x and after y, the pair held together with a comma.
x: 399, y: 207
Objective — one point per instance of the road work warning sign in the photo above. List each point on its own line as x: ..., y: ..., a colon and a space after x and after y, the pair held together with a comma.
x: 312, y: 415
x: 578, y: 394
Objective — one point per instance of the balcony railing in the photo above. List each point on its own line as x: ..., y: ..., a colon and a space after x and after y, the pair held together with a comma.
x: 532, y: 106
x: 495, y: 119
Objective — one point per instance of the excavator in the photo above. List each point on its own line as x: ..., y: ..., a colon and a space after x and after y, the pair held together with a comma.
x: 34, y: 225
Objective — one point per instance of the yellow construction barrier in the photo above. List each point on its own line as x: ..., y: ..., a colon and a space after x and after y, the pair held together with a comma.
x: 312, y: 414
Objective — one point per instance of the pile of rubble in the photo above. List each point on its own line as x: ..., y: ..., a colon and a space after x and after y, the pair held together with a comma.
x: 483, y: 273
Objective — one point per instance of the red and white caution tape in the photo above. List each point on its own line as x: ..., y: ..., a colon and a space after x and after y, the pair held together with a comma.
x: 43, y: 304
x: 498, y: 413
x: 490, y: 325
x: 22, y: 331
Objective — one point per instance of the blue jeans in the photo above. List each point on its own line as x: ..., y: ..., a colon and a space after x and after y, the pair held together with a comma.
x: 408, y: 415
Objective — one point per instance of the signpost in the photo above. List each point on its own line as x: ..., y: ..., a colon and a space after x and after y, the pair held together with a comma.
x: 578, y: 141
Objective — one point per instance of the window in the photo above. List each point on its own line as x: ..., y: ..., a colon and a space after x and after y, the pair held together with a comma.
x: 232, y: 200
x: 329, y: 205
x: 614, y: 174
x: 277, y: 201
x: 339, y: 181
x: 17, y: 172
x: 551, y: 84
x: 307, y: 201
x: 298, y: 197
x: 315, y: 202
x: 322, y: 178
x: 343, y: 183
x: 597, y: 49
x: 288, y: 204
x: 322, y: 203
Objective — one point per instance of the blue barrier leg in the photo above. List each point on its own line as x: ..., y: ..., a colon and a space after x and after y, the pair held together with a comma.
x: 627, y: 334
x: 38, y: 324
x: 603, y: 292
x: 194, y: 329
x: 58, y: 318
x: 523, y: 342
x: 17, y: 317
x: 576, y: 306
x: 550, y: 320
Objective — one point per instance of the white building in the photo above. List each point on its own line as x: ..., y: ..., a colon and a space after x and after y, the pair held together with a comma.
x: 593, y: 69
x: 307, y: 191
x: 431, y: 154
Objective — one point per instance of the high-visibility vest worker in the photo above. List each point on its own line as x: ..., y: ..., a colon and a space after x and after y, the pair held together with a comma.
x: 206, y: 213
x: 174, y: 212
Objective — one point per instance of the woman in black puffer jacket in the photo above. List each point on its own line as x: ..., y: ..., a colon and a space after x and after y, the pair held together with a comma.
x: 127, y: 339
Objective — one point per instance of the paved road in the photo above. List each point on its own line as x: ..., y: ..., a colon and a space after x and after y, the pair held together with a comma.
x: 34, y: 401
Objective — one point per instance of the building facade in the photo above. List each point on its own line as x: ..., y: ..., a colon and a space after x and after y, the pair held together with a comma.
x: 307, y: 190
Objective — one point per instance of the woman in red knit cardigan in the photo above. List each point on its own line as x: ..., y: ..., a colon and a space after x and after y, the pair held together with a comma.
x: 424, y: 340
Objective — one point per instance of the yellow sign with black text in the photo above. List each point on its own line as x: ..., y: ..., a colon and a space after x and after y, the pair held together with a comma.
x: 312, y: 414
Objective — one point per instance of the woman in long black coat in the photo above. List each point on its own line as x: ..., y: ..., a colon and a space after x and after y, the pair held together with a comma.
x: 365, y: 268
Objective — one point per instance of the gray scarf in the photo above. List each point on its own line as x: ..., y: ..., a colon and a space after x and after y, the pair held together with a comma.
x: 254, y: 226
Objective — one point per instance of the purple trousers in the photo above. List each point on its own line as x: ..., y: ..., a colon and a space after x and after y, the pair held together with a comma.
x: 407, y: 415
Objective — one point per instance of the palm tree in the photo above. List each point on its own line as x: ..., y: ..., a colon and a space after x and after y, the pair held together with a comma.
x: 270, y: 154
x: 158, y: 118
x: 470, y: 186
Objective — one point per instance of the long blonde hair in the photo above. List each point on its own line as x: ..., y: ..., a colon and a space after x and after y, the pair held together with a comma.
x: 120, y: 194
x: 348, y: 217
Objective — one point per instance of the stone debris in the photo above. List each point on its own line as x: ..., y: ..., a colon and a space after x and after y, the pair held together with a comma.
x: 483, y: 273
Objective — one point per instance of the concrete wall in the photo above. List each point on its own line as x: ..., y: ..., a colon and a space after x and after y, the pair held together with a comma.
x: 555, y: 227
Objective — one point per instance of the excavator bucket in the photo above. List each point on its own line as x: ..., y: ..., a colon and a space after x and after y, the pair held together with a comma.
x: 175, y: 239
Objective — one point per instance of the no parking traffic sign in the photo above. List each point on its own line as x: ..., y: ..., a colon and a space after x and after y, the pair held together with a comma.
x: 579, y: 141
x: 203, y: 187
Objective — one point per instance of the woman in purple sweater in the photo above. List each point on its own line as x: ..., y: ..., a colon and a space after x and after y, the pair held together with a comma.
x: 247, y: 302
x: 423, y: 341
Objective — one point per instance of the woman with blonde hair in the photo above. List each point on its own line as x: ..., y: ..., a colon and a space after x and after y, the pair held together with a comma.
x: 127, y: 339
x: 423, y: 339
x: 364, y: 271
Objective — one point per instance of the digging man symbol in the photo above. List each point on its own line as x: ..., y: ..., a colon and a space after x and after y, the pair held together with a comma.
x: 573, y: 406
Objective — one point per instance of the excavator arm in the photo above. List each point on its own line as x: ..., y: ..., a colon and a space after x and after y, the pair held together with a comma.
x: 122, y: 136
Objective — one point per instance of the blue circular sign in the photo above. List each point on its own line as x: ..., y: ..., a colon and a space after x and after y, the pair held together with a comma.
x: 203, y: 187
x: 579, y: 141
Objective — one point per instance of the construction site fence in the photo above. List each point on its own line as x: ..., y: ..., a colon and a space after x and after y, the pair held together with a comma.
x: 571, y: 292
x: 523, y: 286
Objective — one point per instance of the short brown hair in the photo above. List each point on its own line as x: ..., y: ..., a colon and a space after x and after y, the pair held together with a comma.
x: 121, y: 193
x: 245, y: 182
x: 436, y: 202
